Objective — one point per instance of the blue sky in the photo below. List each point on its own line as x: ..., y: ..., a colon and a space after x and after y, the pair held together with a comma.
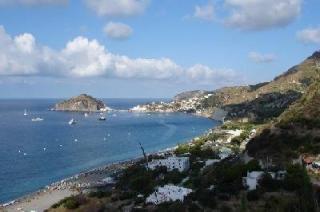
x: 149, y: 48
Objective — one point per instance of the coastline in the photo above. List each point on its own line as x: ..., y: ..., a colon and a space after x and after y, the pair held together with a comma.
x: 45, y: 197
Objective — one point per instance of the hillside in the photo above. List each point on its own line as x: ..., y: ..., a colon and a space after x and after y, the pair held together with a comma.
x: 269, y: 99
x: 81, y: 103
x: 295, y: 132
x: 189, y: 94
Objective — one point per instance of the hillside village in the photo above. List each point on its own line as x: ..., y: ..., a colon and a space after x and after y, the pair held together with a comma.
x: 264, y: 156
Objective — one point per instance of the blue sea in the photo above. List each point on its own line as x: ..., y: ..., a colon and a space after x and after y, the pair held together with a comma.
x: 35, y: 154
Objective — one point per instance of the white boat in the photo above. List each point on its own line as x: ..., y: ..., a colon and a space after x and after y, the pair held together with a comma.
x: 102, y: 118
x: 72, y: 122
x: 86, y: 115
x: 25, y: 112
x: 37, y: 119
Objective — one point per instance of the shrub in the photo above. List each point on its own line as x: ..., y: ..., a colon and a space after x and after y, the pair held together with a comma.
x: 253, y: 195
x: 71, y: 203
x: 225, y: 208
x: 206, y: 198
x: 182, y: 149
x: 100, y: 194
x: 174, y: 177
x: 269, y: 184
x: 253, y: 165
x: 298, y: 180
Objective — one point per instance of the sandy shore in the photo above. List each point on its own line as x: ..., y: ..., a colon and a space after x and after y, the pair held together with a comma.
x: 45, y: 198
x: 40, y: 201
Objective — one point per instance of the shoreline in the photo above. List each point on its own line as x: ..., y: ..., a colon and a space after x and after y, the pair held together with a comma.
x: 77, y: 183
x: 73, y: 185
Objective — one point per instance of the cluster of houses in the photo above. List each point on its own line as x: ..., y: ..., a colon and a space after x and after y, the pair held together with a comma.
x: 186, y: 105
x: 153, y: 107
x: 168, y: 193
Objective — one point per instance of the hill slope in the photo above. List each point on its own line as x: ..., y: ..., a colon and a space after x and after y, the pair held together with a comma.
x: 269, y: 99
x: 82, y: 102
x: 296, y: 131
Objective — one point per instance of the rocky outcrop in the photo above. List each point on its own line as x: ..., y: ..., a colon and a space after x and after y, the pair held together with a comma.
x: 81, y: 103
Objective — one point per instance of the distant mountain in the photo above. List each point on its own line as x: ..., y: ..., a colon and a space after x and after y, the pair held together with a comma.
x: 189, y: 95
x: 81, y: 103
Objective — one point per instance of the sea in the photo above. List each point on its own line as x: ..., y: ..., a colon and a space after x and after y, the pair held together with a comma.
x: 35, y: 154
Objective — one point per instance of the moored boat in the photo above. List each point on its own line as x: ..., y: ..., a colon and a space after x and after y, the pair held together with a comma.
x: 72, y: 122
x: 37, y: 119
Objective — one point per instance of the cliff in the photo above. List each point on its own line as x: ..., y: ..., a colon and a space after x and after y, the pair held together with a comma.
x: 83, y: 103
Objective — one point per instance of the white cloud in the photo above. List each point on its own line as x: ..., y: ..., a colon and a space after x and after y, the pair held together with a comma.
x: 84, y: 58
x: 309, y: 35
x: 116, y: 8
x: 205, y: 75
x: 204, y: 12
x: 118, y: 30
x: 32, y: 2
x: 262, y: 14
x: 261, y: 58
x: 21, y: 56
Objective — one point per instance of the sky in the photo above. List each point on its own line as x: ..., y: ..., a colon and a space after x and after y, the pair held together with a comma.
x: 149, y: 48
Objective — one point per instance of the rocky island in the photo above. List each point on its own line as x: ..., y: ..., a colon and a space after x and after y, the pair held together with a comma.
x: 81, y: 103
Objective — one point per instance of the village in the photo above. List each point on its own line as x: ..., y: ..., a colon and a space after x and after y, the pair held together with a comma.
x: 188, y: 105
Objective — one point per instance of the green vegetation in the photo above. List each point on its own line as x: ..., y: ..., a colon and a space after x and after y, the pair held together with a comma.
x: 138, y: 180
x: 306, y: 112
x: 72, y: 202
x: 238, y: 126
x: 100, y: 194
x: 196, y: 150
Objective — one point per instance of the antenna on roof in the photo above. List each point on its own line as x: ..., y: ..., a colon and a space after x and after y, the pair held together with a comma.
x: 144, y: 155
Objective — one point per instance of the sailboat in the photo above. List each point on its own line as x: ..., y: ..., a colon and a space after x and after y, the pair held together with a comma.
x: 72, y: 122
x: 25, y: 112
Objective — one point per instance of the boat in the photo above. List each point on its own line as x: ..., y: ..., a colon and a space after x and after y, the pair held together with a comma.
x: 72, y: 122
x: 25, y: 112
x: 37, y: 119
x: 86, y: 115
x: 102, y: 118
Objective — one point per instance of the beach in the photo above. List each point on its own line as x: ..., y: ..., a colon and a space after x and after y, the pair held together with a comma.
x: 46, y: 197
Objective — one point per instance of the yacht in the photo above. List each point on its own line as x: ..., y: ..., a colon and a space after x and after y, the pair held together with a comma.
x: 102, y: 118
x: 37, y: 119
x: 72, y: 122
x: 25, y: 112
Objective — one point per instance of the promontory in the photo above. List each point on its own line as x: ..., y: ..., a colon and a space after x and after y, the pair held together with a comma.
x: 81, y: 103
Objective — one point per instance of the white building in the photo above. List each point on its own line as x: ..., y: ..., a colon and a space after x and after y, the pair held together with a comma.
x: 139, y: 108
x: 252, y: 178
x: 168, y: 193
x: 180, y: 163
